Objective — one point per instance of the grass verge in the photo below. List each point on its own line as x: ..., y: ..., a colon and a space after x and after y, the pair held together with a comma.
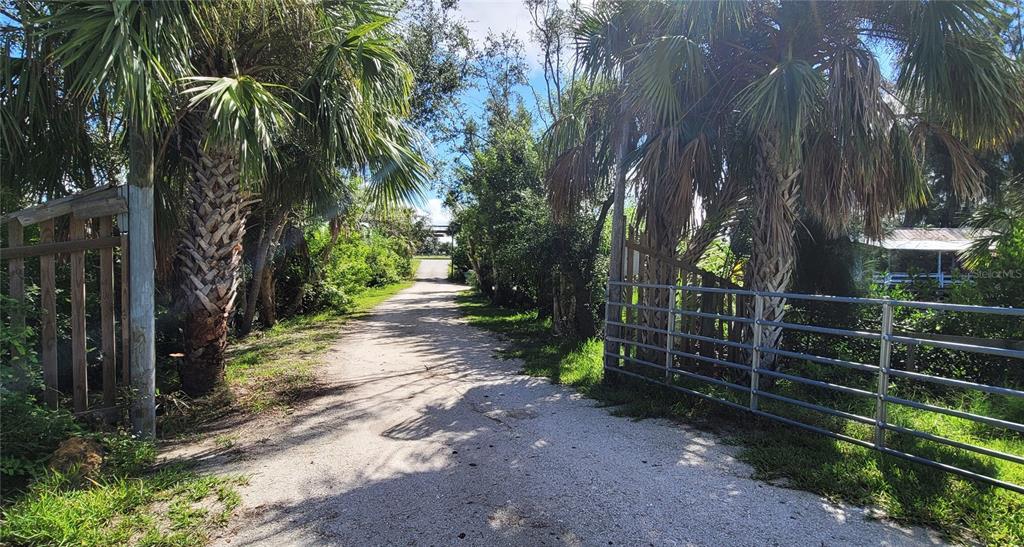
x: 127, y: 502
x: 274, y: 368
x: 904, y: 491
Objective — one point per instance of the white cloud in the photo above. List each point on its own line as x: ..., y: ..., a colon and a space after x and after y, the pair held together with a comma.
x: 498, y: 16
x: 436, y: 212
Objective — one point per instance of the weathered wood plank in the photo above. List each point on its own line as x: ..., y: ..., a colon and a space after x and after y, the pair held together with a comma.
x: 688, y: 268
x: 62, y: 206
x: 79, y: 365
x: 125, y: 330
x: 101, y: 208
x: 109, y: 342
x: 48, y: 318
x: 16, y: 284
x: 60, y: 247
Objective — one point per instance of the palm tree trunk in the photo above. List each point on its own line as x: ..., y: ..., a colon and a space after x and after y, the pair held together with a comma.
x: 210, y: 256
x: 774, y: 249
x: 270, y: 234
x: 268, y: 299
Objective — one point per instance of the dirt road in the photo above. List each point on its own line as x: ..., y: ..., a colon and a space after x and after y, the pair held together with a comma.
x: 421, y: 437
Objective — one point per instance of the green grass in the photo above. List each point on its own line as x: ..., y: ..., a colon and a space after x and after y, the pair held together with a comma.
x: 274, y: 368
x: 904, y: 491
x: 126, y: 503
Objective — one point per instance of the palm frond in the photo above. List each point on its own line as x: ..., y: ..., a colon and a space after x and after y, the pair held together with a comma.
x: 139, y: 46
x: 242, y: 112
x: 783, y: 103
x: 398, y: 172
x: 954, y: 67
x: 995, y: 224
x: 669, y: 76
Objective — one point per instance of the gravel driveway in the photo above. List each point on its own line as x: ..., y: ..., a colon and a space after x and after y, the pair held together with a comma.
x: 419, y: 436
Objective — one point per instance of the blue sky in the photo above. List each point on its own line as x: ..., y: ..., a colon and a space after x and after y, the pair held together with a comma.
x: 483, y: 17
x: 499, y: 16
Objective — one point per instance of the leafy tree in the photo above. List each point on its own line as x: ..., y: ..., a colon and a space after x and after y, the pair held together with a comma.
x: 787, y: 99
x: 503, y: 222
x: 438, y: 49
x: 223, y: 86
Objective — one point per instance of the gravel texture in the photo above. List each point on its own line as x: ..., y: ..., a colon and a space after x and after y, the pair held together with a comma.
x: 420, y: 436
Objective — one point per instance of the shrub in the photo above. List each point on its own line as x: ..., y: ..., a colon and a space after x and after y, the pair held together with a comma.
x: 357, y: 260
x: 30, y: 433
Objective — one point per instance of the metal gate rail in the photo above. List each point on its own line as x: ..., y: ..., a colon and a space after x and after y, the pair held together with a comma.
x: 617, y: 352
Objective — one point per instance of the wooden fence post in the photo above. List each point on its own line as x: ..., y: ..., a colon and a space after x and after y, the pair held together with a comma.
x: 109, y: 344
x: 79, y: 366
x: 48, y: 319
x: 16, y: 284
x: 142, y: 257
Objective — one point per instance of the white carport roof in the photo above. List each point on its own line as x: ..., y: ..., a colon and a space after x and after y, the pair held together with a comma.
x: 927, y: 239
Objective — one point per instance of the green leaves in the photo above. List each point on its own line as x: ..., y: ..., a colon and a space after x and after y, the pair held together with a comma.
x: 669, y: 77
x: 358, y: 97
x: 954, y: 67
x: 399, y: 172
x: 241, y: 112
x: 139, y: 47
x: 783, y: 103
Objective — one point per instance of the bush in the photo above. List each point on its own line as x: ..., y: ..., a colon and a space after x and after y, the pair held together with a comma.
x: 356, y: 261
x: 30, y: 433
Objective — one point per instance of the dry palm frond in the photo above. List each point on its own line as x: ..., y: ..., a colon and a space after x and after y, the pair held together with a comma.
x: 966, y: 174
x: 673, y: 168
x: 578, y: 147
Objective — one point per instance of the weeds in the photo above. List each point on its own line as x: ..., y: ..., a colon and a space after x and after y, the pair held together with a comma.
x: 904, y: 491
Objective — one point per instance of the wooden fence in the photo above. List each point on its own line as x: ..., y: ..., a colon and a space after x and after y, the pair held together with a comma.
x: 699, y: 314
x: 68, y: 229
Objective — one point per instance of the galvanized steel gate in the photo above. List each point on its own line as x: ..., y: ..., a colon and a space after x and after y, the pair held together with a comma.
x: 701, y: 350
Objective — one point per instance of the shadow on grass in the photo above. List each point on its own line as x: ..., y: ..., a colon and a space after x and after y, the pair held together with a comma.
x: 269, y: 369
x: 904, y: 491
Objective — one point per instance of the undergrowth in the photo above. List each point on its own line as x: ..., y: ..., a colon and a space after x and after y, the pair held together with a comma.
x: 905, y: 491
x: 271, y: 369
x: 126, y: 502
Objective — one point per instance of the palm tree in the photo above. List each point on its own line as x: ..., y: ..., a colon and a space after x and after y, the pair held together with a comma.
x: 578, y: 152
x: 826, y: 125
x: 790, y: 95
x: 230, y: 80
x: 352, y: 114
x: 339, y: 84
x: 122, y: 57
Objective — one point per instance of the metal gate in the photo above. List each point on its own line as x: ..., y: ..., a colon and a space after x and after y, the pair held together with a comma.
x: 684, y: 338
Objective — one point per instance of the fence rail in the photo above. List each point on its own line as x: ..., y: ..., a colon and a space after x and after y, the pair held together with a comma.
x: 68, y: 228
x: 722, y: 352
